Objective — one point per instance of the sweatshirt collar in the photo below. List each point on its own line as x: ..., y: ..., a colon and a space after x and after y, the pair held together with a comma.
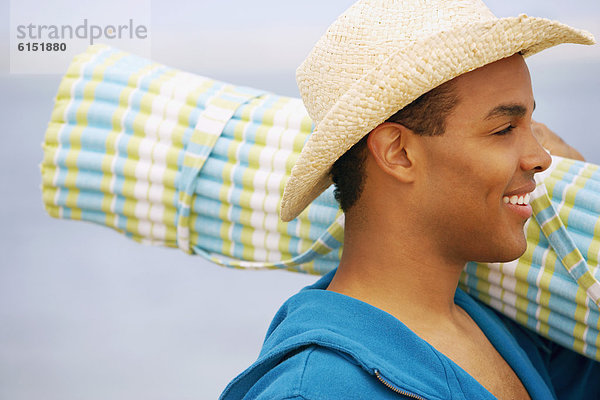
x: 371, y: 336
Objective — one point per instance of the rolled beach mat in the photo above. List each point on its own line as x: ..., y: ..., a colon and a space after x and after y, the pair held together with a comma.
x: 179, y: 160
x: 175, y: 159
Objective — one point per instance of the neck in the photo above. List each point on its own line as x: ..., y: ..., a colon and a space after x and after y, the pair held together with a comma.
x: 400, y: 272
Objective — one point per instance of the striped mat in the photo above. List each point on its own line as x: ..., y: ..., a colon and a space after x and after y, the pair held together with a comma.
x: 175, y: 159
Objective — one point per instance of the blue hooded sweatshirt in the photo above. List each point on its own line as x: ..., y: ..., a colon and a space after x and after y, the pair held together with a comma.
x: 325, y: 345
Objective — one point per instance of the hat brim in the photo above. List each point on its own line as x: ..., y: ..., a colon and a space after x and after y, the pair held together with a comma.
x: 406, y: 74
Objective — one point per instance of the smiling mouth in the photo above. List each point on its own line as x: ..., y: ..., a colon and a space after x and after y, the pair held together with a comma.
x: 521, y: 200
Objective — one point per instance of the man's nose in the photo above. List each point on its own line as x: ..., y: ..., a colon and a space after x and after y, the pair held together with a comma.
x: 535, y: 158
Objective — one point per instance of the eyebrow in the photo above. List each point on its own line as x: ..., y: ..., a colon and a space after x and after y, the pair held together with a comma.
x: 508, y: 110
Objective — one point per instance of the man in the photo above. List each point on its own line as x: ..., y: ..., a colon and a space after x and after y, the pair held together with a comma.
x: 443, y: 181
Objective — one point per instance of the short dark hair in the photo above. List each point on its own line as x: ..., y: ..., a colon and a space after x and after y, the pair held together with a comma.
x: 425, y: 116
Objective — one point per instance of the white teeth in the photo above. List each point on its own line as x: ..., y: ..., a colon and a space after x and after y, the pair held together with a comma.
x: 521, y: 200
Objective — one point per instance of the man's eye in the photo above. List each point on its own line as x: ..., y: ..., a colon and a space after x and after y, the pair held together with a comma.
x: 505, y: 131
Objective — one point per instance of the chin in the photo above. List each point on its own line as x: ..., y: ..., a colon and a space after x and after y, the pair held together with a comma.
x: 505, y: 251
x: 511, y: 253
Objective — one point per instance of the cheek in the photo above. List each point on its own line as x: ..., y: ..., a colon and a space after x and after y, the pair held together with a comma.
x: 467, y: 208
x: 468, y: 176
x: 470, y: 186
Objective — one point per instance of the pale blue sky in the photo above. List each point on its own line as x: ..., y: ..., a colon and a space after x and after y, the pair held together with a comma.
x: 86, y: 313
x: 211, y: 37
x: 217, y: 37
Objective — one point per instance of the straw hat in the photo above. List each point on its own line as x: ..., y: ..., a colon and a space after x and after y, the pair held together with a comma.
x: 380, y: 55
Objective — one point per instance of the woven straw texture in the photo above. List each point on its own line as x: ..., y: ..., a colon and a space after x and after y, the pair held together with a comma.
x: 174, y: 159
x: 380, y: 55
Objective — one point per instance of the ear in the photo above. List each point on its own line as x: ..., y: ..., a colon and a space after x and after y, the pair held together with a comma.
x: 389, y: 143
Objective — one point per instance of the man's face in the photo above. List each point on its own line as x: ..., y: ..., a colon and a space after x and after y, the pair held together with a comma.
x: 488, y: 154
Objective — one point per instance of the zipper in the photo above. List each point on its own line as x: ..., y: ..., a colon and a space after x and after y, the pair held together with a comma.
x: 395, y: 389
